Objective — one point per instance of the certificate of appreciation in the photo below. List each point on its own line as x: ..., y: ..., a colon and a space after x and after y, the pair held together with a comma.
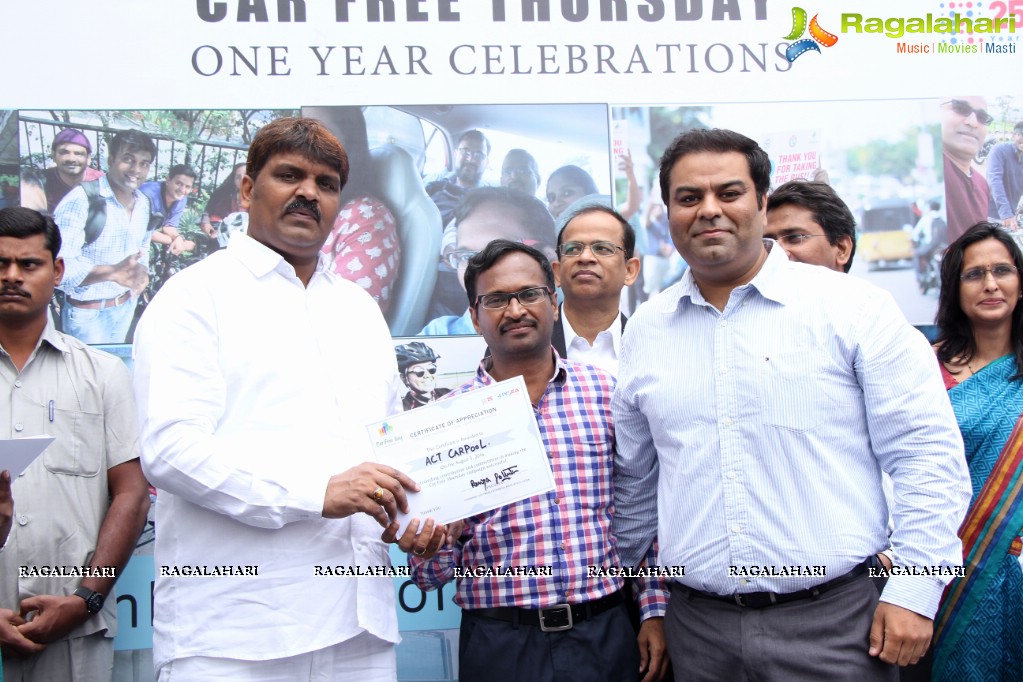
x: 469, y: 454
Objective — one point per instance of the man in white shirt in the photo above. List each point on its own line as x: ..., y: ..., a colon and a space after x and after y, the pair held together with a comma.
x: 595, y: 262
x: 250, y: 406
x: 758, y: 402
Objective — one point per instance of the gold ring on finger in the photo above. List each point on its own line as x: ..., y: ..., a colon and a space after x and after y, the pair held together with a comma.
x: 378, y: 495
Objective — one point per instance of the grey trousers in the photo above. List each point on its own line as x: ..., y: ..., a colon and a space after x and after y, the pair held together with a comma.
x: 809, y: 639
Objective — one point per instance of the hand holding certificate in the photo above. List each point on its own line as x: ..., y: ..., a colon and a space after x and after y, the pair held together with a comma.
x: 469, y: 454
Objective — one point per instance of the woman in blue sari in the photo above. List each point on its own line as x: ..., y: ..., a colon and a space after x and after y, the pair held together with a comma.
x: 979, y: 627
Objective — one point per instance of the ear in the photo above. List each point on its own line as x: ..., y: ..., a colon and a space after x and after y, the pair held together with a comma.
x: 632, y: 267
x: 245, y: 192
x: 58, y: 271
x: 843, y: 250
x: 556, y: 266
x: 554, y: 302
x: 475, y: 320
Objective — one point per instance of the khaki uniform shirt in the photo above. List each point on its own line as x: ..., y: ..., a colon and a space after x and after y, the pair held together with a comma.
x: 82, y: 397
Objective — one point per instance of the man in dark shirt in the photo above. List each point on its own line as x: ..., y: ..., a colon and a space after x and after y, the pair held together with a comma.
x: 964, y: 122
x: 71, y: 152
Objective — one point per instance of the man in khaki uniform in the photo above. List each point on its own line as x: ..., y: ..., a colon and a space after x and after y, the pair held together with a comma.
x: 79, y: 507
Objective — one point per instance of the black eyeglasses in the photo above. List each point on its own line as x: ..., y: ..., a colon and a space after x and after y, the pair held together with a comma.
x: 420, y: 372
x: 470, y: 155
x: 796, y: 239
x: 964, y: 109
x: 530, y: 296
x: 999, y: 272
x: 602, y: 249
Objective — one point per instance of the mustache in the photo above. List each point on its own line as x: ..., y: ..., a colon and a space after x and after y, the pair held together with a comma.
x: 512, y: 323
x: 302, y: 204
x: 18, y: 291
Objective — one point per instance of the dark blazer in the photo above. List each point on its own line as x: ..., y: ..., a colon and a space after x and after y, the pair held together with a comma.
x: 558, y: 335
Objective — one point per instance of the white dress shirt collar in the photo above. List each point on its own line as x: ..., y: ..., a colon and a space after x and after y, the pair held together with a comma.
x: 604, y: 351
x: 770, y: 282
x: 260, y: 259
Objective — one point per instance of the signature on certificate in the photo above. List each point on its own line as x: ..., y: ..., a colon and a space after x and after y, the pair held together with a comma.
x: 502, y: 476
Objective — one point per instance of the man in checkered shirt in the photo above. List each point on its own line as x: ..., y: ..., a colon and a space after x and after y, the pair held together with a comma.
x: 544, y: 601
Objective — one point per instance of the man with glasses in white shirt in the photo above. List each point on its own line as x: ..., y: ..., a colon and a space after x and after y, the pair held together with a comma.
x: 595, y: 262
x: 812, y: 224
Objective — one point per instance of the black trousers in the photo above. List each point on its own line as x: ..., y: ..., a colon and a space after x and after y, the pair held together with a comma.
x: 599, y: 649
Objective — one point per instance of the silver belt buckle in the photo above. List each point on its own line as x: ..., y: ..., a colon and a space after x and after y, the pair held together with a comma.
x: 557, y: 627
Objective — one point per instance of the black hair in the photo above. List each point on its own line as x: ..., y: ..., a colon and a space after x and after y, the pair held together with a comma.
x: 131, y: 140
x: 827, y: 208
x: 955, y: 335
x: 21, y: 223
x: 720, y: 141
x: 474, y: 135
x: 181, y: 169
x: 495, y: 251
x: 538, y: 223
x: 628, y: 234
x: 578, y: 176
x: 299, y: 135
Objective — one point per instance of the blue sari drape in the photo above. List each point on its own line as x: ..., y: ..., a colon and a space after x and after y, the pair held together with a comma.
x: 979, y: 633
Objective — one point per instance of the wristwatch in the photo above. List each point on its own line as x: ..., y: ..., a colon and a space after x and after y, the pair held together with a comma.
x: 93, y: 600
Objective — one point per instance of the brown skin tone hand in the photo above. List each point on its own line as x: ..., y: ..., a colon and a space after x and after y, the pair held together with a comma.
x: 423, y: 544
x: 354, y: 491
x: 12, y: 641
x: 128, y: 272
x: 653, y: 651
x: 898, y: 635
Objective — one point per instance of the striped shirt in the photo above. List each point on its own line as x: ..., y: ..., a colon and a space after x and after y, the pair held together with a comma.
x: 123, y: 234
x: 567, y: 529
x: 764, y: 429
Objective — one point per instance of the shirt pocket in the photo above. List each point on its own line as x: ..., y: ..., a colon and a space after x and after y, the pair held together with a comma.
x: 78, y: 449
x: 583, y: 476
x: 801, y: 389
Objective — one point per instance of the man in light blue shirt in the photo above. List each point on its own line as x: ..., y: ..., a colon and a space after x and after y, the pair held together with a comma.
x: 758, y: 402
x: 106, y: 235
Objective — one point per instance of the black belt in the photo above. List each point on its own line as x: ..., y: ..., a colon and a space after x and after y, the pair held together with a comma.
x: 758, y: 600
x: 553, y: 618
